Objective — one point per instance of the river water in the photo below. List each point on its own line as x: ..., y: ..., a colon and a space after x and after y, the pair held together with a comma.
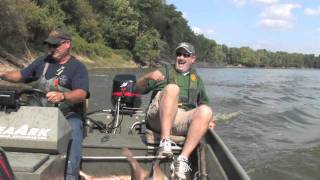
x: 277, y: 134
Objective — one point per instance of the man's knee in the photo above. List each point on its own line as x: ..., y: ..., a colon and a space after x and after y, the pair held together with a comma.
x: 205, y: 112
x: 171, y: 89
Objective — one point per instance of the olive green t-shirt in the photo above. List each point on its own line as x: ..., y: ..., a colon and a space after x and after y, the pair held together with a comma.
x: 183, y: 81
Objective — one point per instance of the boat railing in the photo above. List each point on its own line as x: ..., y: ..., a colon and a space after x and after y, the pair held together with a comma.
x: 229, y: 163
x: 149, y: 157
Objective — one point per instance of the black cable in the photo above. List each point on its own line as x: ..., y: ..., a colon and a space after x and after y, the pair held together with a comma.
x: 97, y: 124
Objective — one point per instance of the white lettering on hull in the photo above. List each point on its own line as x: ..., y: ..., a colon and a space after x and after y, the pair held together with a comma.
x: 24, y: 132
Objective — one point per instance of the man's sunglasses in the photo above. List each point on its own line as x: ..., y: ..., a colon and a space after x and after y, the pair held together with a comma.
x: 54, y: 46
x: 183, y: 54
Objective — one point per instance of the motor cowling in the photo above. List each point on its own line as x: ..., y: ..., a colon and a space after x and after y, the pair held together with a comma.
x: 123, y: 91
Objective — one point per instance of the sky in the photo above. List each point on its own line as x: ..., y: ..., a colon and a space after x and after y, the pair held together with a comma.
x: 275, y: 25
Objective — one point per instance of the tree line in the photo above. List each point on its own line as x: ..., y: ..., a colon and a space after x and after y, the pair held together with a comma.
x: 143, y: 30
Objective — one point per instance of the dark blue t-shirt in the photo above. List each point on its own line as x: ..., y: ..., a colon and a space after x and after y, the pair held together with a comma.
x: 74, y: 76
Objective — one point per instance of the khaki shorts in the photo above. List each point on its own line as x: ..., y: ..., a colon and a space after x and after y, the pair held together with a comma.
x: 181, y: 122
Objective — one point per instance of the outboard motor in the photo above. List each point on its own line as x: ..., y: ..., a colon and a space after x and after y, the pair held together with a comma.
x: 124, y: 99
x: 123, y: 91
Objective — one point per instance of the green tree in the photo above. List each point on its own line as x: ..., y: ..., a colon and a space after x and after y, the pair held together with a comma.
x: 310, y: 61
x: 81, y: 15
x: 22, y: 22
x: 148, y: 46
x: 120, y: 23
x: 263, y: 56
x: 12, y: 25
x: 248, y: 57
x: 233, y: 56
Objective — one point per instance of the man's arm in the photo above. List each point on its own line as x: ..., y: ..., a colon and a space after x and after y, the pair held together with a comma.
x: 142, y: 83
x: 74, y: 96
x: 11, y: 76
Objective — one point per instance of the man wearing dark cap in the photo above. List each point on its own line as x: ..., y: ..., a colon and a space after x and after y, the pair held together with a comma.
x: 65, y: 81
x: 178, y: 105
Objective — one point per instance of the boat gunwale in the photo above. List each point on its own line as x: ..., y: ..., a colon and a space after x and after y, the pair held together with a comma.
x: 229, y: 163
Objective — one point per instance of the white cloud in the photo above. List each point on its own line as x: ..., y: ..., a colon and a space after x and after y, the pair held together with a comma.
x: 312, y: 12
x: 265, y: 1
x: 205, y: 31
x: 196, y: 30
x: 274, y: 14
x: 241, y: 3
x: 276, y: 23
x: 279, y: 11
x: 278, y: 16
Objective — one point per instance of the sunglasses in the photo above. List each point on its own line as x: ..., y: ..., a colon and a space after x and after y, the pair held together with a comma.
x: 186, y: 54
x: 55, y: 46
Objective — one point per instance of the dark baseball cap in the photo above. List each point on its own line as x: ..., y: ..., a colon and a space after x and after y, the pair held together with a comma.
x: 56, y: 36
x: 186, y: 46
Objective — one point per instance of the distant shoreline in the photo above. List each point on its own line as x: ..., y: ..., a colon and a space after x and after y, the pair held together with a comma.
x: 6, y: 66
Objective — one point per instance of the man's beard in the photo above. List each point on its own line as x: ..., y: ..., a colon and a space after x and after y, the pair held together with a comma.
x: 60, y: 55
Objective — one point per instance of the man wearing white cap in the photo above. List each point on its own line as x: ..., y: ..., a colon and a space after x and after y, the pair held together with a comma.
x: 178, y: 105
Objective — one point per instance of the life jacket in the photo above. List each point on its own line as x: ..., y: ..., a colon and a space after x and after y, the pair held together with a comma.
x: 191, y: 100
x: 52, y: 84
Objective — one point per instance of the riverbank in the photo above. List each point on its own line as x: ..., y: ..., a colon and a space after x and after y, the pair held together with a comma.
x: 112, y: 62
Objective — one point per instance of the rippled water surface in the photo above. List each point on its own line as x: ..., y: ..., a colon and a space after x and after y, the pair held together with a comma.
x: 276, y: 135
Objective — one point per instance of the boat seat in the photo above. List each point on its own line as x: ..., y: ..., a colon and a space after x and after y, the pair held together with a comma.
x: 153, y: 138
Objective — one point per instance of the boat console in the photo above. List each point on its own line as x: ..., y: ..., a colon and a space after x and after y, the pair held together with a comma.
x: 34, y: 138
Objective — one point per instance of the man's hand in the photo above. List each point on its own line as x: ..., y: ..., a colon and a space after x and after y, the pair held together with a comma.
x: 142, y: 82
x: 85, y: 176
x: 212, y: 125
x: 74, y: 96
x: 11, y: 76
x: 55, y: 97
x: 155, y: 75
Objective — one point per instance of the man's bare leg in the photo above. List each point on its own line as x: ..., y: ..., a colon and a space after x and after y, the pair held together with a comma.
x: 198, y: 127
x: 168, y: 109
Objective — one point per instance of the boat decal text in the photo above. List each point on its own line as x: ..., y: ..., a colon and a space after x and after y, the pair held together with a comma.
x: 24, y: 132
